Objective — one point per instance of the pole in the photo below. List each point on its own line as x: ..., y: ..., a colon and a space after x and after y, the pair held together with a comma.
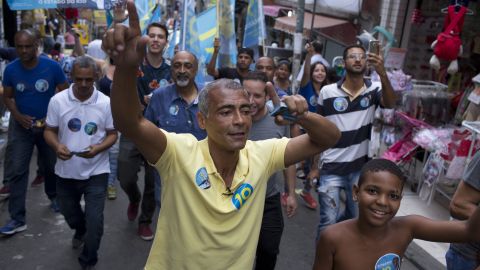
x: 313, y: 19
x: 297, y: 44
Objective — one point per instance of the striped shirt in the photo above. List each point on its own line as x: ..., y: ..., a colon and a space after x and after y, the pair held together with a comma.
x: 354, y: 118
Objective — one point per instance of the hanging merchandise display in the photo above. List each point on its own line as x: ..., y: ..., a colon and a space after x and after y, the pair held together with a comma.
x: 472, y: 113
x: 448, y: 45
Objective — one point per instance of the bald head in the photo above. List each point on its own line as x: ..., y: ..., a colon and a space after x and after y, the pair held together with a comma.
x: 265, y: 64
x: 184, y: 69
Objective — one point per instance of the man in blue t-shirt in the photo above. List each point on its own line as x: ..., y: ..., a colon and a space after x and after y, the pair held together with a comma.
x: 29, y: 82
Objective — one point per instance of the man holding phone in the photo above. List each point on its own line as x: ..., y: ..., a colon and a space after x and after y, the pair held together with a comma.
x: 80, y: 130
x: 349, y: 103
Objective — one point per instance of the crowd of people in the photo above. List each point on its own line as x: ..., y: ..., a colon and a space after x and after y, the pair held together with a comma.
x: 218, y: 160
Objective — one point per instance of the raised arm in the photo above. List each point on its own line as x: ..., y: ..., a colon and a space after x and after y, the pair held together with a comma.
x: 127, y: 48
x: 307, y: 64
x: 321, y: 133
x: 388, y: 95
x: 211, y: 67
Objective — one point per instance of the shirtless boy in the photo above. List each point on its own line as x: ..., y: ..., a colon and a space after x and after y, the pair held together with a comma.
x: 377, y: 239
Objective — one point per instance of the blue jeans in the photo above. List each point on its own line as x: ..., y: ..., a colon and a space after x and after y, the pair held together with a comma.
x: 455, y: 261
x: 329, y: 198
x: 113, y: 158
x: 21, y: 142
x: 90, y: 222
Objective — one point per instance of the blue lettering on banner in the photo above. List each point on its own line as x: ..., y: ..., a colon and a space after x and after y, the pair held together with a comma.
x: 241, y: 195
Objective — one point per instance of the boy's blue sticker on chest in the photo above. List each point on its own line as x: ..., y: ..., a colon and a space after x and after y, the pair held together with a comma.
x: 389, y: 261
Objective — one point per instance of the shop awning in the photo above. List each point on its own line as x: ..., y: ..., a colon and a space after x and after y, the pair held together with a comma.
x: 274, y: 10
x: 341, y: 31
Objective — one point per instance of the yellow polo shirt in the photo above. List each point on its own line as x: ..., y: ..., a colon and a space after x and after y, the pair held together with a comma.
x: 202, y: 225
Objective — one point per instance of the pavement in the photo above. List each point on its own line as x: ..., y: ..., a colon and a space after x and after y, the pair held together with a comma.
x: 46, y: 244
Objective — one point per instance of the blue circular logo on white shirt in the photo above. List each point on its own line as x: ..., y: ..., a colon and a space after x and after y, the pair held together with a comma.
x: 389, y: 261
x: 91, y: 128
x: 340, y: 104
x: 365, y: 102
x: 201, y: 178
x: 74, y: 124
x: 41, y: 85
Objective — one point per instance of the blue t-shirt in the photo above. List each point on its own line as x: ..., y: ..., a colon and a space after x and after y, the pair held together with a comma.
x: 308, y: 92
x: 150, y: 78
x: 34, y: 87
x: 171, y: 112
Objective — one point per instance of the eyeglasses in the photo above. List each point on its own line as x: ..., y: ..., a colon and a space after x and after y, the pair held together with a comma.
x: 357, y: 56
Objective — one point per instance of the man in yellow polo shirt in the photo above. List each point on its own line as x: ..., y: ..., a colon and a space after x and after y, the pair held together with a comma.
x: 214, y: 189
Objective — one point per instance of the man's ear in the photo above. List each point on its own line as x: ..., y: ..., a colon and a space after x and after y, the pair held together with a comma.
x: 201, y: 120
x: 356, y: 189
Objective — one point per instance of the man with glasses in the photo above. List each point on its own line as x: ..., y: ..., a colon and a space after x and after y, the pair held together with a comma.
x: 350, y: 103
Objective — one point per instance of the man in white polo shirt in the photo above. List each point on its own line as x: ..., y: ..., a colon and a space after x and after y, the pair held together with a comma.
x: 80, y: 130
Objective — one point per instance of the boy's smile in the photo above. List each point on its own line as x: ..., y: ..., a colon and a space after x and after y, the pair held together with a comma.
x: 378, y: 197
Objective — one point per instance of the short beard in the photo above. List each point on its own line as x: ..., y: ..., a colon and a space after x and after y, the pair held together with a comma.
x: 355, y: 72
x: 183, y: 83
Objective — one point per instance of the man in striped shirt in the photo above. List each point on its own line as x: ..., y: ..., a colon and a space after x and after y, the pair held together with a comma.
x: 350, y: 104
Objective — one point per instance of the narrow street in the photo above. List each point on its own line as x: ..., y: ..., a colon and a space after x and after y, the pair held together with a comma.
x: 46, y: 244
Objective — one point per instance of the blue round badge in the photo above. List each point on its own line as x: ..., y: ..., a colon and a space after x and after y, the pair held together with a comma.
x: 90, y: 128
x: 41, y: 85
x: 201, y: 178
x: 313, y: 101
x: 74, y: 124
x: 340, y: 104
x: 20, y: 87
x: 365, y: 102
x: 163, y: 83
x: 241, y: 195
x: 389, y: 261
x: 173, y: 109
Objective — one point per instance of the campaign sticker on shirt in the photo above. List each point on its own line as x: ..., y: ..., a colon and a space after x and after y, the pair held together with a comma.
x: 241, y: 195
x: 201, y: 178
x: 173, y: 110
x: 389, y: 261
x: 91, y: 128
x: 365, y: 102
x: 41, y: 85
x: 340, y: 104
x: 20, y: 87
x: 163, y: 83
x: 313, y: 101
x: 74, y: 124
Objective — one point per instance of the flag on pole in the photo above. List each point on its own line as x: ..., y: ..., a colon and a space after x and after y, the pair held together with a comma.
x: 226, y: 31
x: 254, y: 34
x: 173, y: 40
x: 190, y: 38
x: 207, y: 31
x: 148, y: 12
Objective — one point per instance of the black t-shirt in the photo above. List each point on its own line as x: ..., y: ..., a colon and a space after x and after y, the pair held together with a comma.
x: 229, y: 73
